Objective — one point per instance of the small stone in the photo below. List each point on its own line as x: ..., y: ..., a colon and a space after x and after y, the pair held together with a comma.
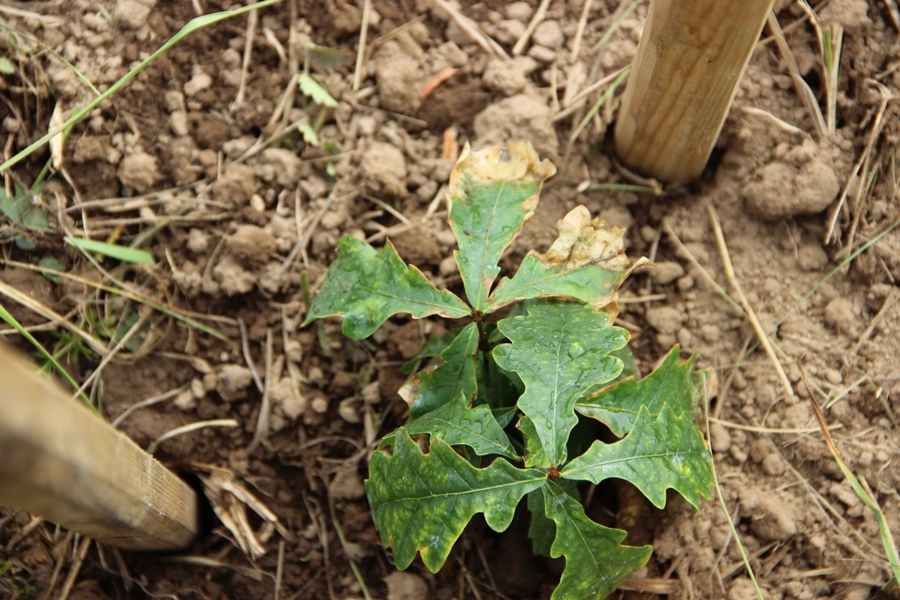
x: 174, y: 101
x: 685, y: 283
x: 841, y: 314
x: 319, y: 405
x: 287, y: 165
x: 178, y: 123
x: 252, y: 243
x: 666, y: 272
x: 347, y: 484
x: 548, y: 34
x: 291, y: 404
x: 197, y: 388
x: 199, y: 82
x: 406, y: 586
x: 720, y: 438
x: 233, y: 380
x: 454, y: 55
x: 521, y: 11
x: 508, y: 76
x: 771, y: 518
x: 665, y: 319
x: 198, y: 241
x: 371, y: 393
x: 812, y: 258
x: 833, y: 376
x: 131, y: 14
x: 186, y: 400
x: 210, y: 381
x: 348, y: 411
x: 383, y: 169
x: 541, y: 54
x: 508, y: 31
x: 139, y: 171
x: 773, y: 464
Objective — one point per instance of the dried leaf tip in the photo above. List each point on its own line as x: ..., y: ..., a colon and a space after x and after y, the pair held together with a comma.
x: 517, y: 162
x: 583, y: 241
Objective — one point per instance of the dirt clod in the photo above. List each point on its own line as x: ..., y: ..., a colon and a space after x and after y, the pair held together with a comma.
x: 139, y: 171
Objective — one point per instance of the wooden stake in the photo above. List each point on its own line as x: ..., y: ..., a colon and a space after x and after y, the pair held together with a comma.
x: 62, y: 461
x: 689, y: 62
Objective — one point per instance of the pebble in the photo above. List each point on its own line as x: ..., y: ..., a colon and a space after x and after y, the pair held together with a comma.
x: 812, y: 258
x: 521, y: 11
x: 841, y: 314
x: 548, y: 34
x: 319, y: 405
x: 542, y: 54
x: 665, y: 319
x: 199, y: 82
x: 347, y: 410
x: 139, y: 171
x: 233, y: 380
x: 131, y: 14
x: 666, y: 272
x: 720, y: 438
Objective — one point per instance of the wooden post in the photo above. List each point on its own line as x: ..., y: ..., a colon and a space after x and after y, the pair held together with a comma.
x: 60, y: 460
x: 689, y: 62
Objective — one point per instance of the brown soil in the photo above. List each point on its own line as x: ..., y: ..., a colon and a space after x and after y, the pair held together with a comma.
x: 235, y: 232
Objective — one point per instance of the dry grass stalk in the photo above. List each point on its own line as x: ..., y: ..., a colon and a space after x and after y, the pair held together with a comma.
x: 748, y: 310
x: 532, y: 25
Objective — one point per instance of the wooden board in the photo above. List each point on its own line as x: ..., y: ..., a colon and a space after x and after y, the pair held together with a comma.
x: 60, y: 460
x: 689, y: 63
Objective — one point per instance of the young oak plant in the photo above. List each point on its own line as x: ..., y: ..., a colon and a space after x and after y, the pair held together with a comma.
x: 501, y: 407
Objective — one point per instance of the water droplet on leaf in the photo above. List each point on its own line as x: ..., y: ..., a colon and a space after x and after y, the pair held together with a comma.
x: 576, y: 350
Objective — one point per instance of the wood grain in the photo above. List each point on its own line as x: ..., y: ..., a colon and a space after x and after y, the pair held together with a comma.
x: 60, y: 460
x: 689, y: 62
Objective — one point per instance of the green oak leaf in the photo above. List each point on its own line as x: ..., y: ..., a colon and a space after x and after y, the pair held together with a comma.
x: 429, y: 390
x: 560, y: 350
x: 666, y: 451
x: 678, y: 386
x: 496, y: 387
x: 535, y: 455
x: 596, y: 560
x: 421, y: 503
x: 459, y: 425
x: 587, y: 262
x: 542, y: 530
x: 366, y: 287
x: 491, y: 194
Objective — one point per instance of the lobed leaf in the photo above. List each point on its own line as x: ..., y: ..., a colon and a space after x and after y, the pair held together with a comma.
x: 366, y: 287
x: 560, y: 350
x: 587, y: 262
x: 662, y: 452
x: 596, y: 560
x: 422, y: 502
x: 678, y: 386
x: 459, y: 425
x: 491, y: 194
x: 542, y: 530
x: 430, y: 390
x: 535, y: 455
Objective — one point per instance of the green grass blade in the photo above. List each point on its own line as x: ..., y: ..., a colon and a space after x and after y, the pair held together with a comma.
x: 123, y: 253
x: 192, y: 26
